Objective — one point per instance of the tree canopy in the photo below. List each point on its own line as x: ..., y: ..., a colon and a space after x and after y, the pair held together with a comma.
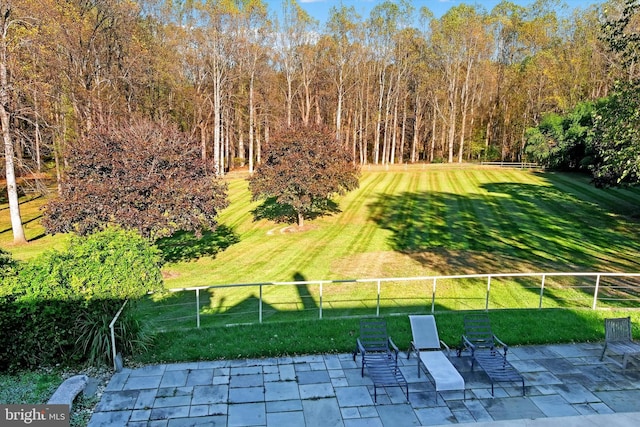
x: 616, y: 132
x: 143, y: 176
x: 602, y: 136
x: 303, y: 167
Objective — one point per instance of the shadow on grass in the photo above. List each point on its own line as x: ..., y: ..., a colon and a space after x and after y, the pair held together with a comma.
x: 512, y: 224
x: 511, y: 227
x: 185, y: 246
x: 272, y: 210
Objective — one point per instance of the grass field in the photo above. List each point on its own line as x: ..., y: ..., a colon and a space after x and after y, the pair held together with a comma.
x: 404, y: 222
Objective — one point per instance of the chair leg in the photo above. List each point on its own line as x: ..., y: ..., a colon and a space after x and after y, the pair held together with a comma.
x: 603, y: 351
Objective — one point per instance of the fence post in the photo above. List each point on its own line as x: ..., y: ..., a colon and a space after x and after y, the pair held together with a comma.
x: 378, y: 301
x: 544, y: 276
x: 486, y: 303
x: 433, y: 296
x: 113, y: 335
x: 320, y: 309
x: 595, y: 292
x: 198, y: 307
x: 260, y: 306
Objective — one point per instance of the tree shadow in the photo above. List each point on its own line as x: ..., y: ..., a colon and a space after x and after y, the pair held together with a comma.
x: 511, y: 225
x: 308, y: 303
x: 282, y: 213
x: 186, y: 246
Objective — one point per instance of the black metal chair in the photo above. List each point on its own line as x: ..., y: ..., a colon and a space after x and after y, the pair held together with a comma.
x: 374, y: 343
x: 478, y: 335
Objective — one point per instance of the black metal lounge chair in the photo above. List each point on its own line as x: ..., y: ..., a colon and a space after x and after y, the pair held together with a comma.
x: 479, y: 336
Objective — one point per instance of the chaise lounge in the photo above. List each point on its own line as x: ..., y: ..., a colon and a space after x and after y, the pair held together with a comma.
x: 428, y: 348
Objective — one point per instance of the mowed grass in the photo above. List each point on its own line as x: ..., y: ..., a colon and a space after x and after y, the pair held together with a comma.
x: 402, y: 222
x: 414, y: 221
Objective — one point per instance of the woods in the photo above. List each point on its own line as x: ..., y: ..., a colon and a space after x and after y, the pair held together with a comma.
x: 397, y: 86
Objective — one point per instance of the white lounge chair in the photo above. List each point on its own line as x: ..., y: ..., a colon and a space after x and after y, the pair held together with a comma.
x: 428, y: 348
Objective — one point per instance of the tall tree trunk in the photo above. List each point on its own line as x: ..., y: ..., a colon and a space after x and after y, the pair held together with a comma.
x: 12, y: 187
x: 251, y: 122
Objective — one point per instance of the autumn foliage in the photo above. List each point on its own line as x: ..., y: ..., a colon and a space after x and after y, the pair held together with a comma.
x: 144, y: 176
x: 302, y: 168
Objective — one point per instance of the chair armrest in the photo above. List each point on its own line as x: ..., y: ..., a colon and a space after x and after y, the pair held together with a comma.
x: 499, y: 341
x: 469, y: 344
x: 394, y: 347
x: 446, y: 347
x: 360, y: 347
x: 413, y: 349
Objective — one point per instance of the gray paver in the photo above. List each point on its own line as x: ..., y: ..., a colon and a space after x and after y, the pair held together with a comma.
x: 247, y: 414
x: 435, y: 416
x: 322, y: 413
x: 142, y: 382
x: 200, y: 377
x: 284, y: 406
x: 398, y: 415
x: 286, y: 419
x: 621, y: 400
x: 109, y: 419
x: 554, y: 406
x: 512, y: 408
x: 210, y: 394
x: 246, y: 395
x: 170, y: 412
x: 252, y: 380
x: 363, y: 422
x: 561, y: 380
x: 283, y: 390
x: 117, y: 400
x: 174, y: 379
x: 354, y: 396
x: 316, y: 391
x: 313, y: 377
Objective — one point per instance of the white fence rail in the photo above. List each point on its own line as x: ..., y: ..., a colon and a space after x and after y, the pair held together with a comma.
x: 519, y: 165
x: 349, y: 298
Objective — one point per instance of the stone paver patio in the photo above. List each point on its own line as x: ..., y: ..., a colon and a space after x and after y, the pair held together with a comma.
x: 328, y: 390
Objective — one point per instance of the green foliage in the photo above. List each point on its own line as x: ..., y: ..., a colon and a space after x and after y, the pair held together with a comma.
x: 515, y: 327
x: 562, y: 142
x: 303, y: 168
x: 94, y: 335
x: 59, y: 307
x: 616, y: 137
x: 616, y: 131
x: 113, y: 263
x: 28, y: 387
x: 8, y: 267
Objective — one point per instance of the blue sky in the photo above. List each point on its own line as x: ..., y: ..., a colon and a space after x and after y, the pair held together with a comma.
x: 319, y: 8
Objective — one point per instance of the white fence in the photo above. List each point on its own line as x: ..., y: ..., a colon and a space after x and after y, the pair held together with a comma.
x: 519, y: 165
x: 253, y: 302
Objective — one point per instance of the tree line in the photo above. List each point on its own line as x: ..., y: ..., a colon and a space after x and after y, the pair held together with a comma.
x: 399, y: 85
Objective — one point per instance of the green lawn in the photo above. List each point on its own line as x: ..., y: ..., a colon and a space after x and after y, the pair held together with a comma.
x: 418, y: 221
x: 404, y: 222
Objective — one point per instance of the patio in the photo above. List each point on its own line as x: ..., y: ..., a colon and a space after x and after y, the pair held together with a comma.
x: 328, y: 390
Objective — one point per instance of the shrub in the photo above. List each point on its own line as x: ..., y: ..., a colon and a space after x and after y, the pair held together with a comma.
x: 61, y: 303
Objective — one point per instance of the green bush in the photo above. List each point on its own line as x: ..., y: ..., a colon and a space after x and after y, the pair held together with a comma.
x: 58, y: 307
x: 8, y: 266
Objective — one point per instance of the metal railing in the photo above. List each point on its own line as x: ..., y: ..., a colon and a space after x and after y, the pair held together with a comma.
x: 589, y: 290
x: 114, y: 353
